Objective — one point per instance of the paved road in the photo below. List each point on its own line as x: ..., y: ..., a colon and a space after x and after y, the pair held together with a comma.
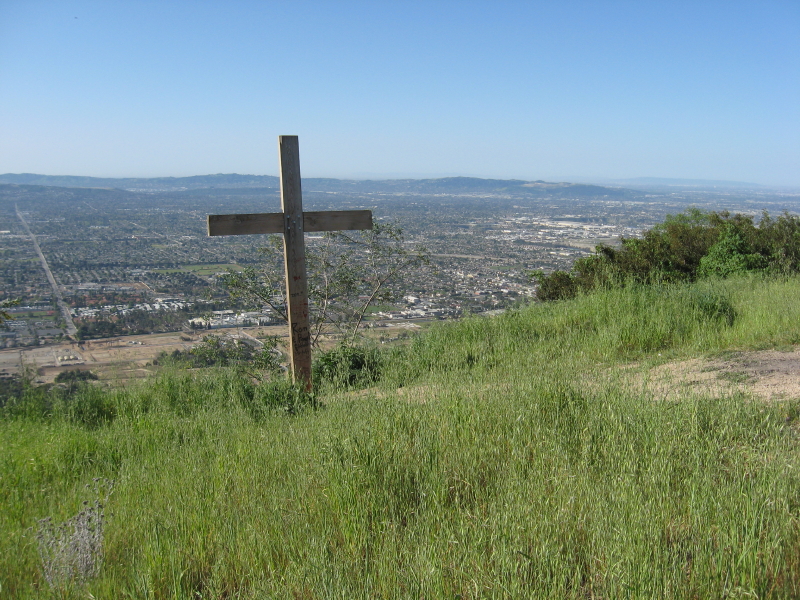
x: 71, y: 329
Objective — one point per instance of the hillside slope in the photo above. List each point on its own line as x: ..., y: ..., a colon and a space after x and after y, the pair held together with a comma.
x: 515, y: 456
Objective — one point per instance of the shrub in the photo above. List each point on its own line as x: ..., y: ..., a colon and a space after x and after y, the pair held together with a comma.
x: 226, y: 351
x: 11, y: 388
x: 75, y: 376
x: 22, y: 399
x: 348, y: 366
x: 732, y: 254
x: 559, y: 285
x: 282, y: 395
x: 683, y: 248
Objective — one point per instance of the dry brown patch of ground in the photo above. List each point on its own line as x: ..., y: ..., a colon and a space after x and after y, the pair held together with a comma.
x: 113, y: 359
x: 766, y: 374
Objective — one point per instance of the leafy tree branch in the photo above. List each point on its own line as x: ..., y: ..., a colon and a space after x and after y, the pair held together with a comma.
x: 347, y: 273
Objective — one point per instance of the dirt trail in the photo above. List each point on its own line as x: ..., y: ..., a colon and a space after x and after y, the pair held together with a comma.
x: 767, y: 374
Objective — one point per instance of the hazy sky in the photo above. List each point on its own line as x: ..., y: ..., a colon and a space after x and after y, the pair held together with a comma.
x: 530, y: 90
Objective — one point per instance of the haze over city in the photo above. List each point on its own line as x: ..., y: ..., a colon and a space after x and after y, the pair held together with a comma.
x: 562, y: 91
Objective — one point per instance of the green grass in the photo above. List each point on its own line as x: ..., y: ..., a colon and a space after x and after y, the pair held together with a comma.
x: 619, y: 325
x: 202, y: 269
x: 497, y: 458
x: 210, y: 269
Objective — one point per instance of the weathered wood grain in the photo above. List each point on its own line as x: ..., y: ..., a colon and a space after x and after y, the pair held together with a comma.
x: 245, y: 224
x: 313, y: 221
x: 295, y: 253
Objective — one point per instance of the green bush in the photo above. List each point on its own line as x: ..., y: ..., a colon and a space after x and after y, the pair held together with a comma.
x: 280, y: 394
x: 75, y: 376
x: 348, y: 366
x: 559, y: 285
x: 224, y: 351
x: 684, y: 248
x: 11, y: 388
x: 731, y: 255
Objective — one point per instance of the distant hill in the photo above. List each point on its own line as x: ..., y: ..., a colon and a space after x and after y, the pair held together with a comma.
x: 232, y: 181
x: 154, y: 184
x: 463, y: 185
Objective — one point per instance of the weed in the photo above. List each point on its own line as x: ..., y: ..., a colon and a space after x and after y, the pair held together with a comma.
x: 348, y: 366
x: 282, y: 395
x: 713, y: 305
x: 72, y: 552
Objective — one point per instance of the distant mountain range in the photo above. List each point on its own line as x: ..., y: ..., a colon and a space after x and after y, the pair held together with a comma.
x: 445, y: 185
x: 160, y: 184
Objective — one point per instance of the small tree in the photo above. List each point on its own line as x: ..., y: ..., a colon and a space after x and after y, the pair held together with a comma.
x: 347, y: 273
x: 257, y: 362
x: 7, y: 303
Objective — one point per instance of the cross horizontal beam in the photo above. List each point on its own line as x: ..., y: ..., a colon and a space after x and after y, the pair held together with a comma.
x: 313, y: 221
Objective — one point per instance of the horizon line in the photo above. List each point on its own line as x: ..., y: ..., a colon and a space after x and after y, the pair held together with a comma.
x: 599, y: 180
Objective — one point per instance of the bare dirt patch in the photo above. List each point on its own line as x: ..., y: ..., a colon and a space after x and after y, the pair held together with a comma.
x: 766, y: 374
x: 113, y: 359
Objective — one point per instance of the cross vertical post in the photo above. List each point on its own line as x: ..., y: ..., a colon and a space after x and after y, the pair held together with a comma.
x: 293, y: 223
x: 295, y: 253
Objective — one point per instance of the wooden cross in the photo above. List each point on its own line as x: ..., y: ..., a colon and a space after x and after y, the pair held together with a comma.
x: 292, y: 222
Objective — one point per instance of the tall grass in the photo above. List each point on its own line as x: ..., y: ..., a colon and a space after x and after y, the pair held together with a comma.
x: 516, y: 469
x: 609, y: 326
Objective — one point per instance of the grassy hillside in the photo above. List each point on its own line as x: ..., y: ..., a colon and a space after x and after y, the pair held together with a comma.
x: 502, y: 458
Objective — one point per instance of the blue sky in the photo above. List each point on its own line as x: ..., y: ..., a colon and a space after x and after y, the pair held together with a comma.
x: 531, y: 90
